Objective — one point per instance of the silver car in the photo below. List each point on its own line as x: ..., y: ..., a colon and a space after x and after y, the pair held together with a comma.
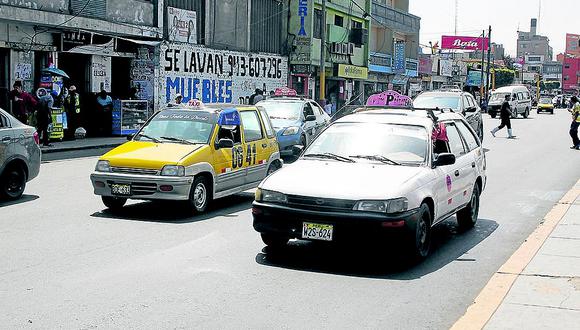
x: 19, y: 156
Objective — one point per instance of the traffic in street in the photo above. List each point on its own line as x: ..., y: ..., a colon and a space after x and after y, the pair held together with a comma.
x: 68, y: 261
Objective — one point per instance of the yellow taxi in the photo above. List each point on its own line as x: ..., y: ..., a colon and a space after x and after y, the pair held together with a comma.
x: 193, y: 154
x: 545, y: 104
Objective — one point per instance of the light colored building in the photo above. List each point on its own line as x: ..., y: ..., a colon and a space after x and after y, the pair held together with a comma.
x: 530, y: 43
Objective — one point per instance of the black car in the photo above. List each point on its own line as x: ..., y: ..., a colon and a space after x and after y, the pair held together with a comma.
x: 456, y: 100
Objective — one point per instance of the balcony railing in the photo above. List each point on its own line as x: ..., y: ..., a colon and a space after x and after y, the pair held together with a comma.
x: 395, y: 19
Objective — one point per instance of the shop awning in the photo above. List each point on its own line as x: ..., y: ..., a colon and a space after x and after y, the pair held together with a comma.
x: 141, y: 42
x: 400, y: 80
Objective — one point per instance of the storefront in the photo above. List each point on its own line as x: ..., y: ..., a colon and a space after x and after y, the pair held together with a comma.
x: 354, y: 80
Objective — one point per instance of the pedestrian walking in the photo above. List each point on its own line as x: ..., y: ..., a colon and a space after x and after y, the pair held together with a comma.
x: 259, y: 96
x: 575, y: 110
x: 44, y: 116
x: 505, y: 115
x: 23, y: 103
x: 72, y: 105
x: 328, y: 107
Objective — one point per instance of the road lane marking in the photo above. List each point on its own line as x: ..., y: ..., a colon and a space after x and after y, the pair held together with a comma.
x: 494, y: 292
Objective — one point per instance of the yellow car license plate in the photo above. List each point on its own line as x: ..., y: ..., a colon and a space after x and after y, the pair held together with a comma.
x: 317, y: 231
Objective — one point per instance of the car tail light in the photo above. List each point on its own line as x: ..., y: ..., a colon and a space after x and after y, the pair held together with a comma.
x: 394, y: 224
x: 36, y: 138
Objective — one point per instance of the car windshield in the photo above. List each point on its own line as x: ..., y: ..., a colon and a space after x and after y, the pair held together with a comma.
x: 545, y: 100
x: 371, y: 142
x: 437, y: 101
x: 498, y: 96
x: 178, y: 126
x: 282, y: 109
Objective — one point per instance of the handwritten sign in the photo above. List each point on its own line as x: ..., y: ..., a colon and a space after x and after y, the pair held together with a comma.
x: 390, y: 98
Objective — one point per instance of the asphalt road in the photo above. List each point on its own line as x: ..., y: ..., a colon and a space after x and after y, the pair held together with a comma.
x: 66, y: 262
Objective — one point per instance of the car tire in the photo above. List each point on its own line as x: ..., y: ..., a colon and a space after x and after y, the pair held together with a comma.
x: 13, y: 182
x: 200, y: 195
x: 467, y: 216
x: 551, y: 112
x: 303, y: 141
x: 274, y: 241
x: 526, y: 113
x: 114, y: 203
x: 493, y: 114
x: 420, y: 234
x: 538, y: 112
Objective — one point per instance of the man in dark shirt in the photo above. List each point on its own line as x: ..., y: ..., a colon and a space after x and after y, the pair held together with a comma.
x: 23, y: 103
x: 505, y: 115
x: 44, y: 115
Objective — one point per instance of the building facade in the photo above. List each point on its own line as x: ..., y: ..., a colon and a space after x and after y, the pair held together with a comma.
x: 530, y: 43
x: 552, y: 72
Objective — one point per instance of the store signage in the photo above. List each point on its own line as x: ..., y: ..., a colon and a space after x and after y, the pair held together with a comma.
x: 352, y: 71
x: 70, y: 40
x: 301, y: 69
x: 425, y: 64
x: 464, y: 43
x: 182, y: 25
x: 302, y: 13
x: 218, y: 76
x: 399, y: 65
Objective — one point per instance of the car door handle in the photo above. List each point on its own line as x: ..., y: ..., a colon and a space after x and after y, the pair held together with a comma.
x: 264, y: 145
x: 473, y: 165
x: 6, y: 139
x: 456, y: 172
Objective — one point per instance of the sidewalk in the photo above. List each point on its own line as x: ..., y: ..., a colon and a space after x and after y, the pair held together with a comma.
x: 539, y: 286
x: 546, y: 295
x: 82, y: 144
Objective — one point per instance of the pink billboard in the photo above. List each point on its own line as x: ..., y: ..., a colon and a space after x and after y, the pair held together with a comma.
x: 465, y: 43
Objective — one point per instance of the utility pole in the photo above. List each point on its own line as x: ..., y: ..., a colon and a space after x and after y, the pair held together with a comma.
x: 482, y: 88
x: 488, y: 62
x: 323, y: 56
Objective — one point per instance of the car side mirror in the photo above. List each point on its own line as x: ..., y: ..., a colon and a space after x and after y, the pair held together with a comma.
x: 130, y: 137
x: 471, y: 109
x: 225, y: 144
x: 310, y: 118
x: 444, y: 159
x: 297, y: 149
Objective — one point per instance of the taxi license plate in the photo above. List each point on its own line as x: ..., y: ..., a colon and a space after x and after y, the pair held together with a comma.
x: 317, y: 231
x: 121, y: 189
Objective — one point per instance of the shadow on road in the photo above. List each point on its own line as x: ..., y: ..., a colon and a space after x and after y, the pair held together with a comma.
x: 21, y: 200
x: 383, y: 261
x: 176, y: 213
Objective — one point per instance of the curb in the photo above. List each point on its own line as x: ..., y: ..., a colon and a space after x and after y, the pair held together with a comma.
x: 100, y: 146
x: 492, y: 295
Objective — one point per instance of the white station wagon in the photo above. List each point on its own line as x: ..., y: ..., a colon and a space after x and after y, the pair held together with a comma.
x: 376, y: 171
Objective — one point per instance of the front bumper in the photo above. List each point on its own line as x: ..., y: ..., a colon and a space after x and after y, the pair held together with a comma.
x: 143, y: 186
x: 285, y: 142
x: 287, y: 221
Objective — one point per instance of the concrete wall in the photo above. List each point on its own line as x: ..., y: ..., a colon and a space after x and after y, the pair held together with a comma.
x: 57, y: 6
x: 227, y: 24
x: 131, y: 11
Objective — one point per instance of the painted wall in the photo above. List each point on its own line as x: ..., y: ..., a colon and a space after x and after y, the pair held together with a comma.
x: 572, y: 72
x: 57, y: 6
x: 217, y: 76
x: 130, y: 11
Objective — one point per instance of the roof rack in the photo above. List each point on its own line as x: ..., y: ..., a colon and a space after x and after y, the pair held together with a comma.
x: 301, y: 97
x: 430, y: 111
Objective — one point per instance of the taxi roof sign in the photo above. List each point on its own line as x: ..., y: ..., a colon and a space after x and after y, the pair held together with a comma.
x: 390, y: 98
x: 229, y: 116
x: 285, y: 91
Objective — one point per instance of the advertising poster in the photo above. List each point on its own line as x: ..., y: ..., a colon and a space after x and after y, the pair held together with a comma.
x: 181, y: 25
x: 399, y: 58
x: 464, y: 43
x: 218, y: 76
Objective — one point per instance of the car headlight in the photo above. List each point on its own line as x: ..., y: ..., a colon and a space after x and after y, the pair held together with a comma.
x: 291, y: 130
x: 270, y: 196
x: 173, y: 170
x: 383, y: 206
x: 103, y: 166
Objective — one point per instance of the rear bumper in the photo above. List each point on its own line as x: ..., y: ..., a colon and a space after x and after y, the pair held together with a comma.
x: 143, y: 186
x: 286, y: 142
x: 287, y: 221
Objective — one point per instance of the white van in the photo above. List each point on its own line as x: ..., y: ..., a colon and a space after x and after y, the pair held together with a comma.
x: 521, y: 100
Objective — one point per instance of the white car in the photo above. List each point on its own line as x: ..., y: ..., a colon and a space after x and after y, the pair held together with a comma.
x: 521, y: 100
x: 376, y: 171
x: 19, y: 156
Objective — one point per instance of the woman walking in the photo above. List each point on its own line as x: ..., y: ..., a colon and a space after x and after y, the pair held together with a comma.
x: 505, y: 115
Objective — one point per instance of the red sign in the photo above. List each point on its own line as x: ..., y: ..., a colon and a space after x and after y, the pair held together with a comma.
x: 465, y: 43
x: 573, y: 44
x: 284, y: 91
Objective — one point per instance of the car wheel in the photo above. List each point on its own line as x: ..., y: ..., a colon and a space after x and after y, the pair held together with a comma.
x: 492, y: 114
x: 552, y: 111
x: 420, y: 234
x: 538, y: 111
x: 274, y: 240
x: 114, y: 203
x: 13, y: 182
x: 303, y: 141
x: 199, y: 196
x: 467, y: 216
x: 526, y: 113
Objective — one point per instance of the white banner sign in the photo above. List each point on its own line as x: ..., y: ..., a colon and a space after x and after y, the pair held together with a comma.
x: 181, y: 25
x: 218, y: 76
x: 100, y: 73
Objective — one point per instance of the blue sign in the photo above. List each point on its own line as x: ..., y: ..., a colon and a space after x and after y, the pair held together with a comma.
x: 206, y: 90
x: 302, y: 13
x: 399, y: 65
x: 229, y: 116
x: 474, y: 78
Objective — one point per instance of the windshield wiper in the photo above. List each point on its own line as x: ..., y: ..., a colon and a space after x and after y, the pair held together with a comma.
x: 169, y: 138
x: 329, y: 155
x: 379, y: 158
x: 149, y: 137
